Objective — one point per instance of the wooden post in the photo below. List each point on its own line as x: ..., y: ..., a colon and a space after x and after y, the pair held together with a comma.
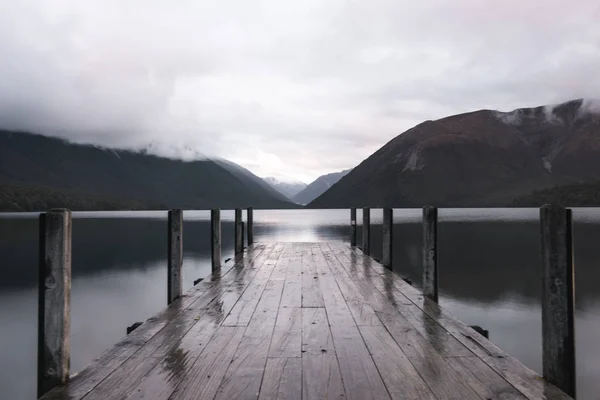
x: 174, y: 285
x: 215, y: 242
x: 243, y: 230
x: 558, y: 327
x: 238, y: 244
x: 430, y: 266
x: 54, y: 301
x: 366, y: 235
x: 250, y: 221
x: 387, y: 229
x: 353, y: 227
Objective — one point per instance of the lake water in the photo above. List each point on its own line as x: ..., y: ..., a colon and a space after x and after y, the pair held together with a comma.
x: 489, y: 259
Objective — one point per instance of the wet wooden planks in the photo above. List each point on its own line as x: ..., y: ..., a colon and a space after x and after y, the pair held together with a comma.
x: 304, y: 321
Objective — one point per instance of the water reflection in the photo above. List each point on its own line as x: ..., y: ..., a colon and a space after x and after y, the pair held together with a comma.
x: 489, y: 276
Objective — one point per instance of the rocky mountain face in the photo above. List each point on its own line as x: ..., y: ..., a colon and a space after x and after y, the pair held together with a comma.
x: 318, y: 187
x: 38, y: 171
x: 481, y: 158
x: 288, y: 189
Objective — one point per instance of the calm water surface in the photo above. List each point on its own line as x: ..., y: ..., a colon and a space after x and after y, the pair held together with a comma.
x: 490, y: 268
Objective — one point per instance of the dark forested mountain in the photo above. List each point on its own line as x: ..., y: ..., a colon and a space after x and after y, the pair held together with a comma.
x: 318, y: 187
x: 288, y: 189
x: 481, y: 158
x: 574, y: 195
x: 39, y: 167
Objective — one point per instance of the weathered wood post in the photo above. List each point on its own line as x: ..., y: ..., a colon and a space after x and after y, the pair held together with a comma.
x: 243, y: 230
x: 174, y: 284
x: 215, y: 241
x: 238, y: 244
x: 54, y: 301
x: 366, y: 233
x: 250, y: 225
x: 353, y: 227
x: 430, y: 266
x: 558, y: 327
x: 387, y: 229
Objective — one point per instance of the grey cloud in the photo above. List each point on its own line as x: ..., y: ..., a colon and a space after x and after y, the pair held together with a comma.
x: 288, y: 89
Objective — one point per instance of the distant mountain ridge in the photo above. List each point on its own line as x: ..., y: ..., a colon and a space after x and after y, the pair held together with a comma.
x: 288, y: 189
x: 318, y: 187
x: 40, y: 166
x: 482, y: 158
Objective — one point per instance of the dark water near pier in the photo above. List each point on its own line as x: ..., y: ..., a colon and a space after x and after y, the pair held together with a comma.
x: 489, y: 275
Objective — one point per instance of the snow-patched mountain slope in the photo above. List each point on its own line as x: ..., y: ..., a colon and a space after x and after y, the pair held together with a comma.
x: 318, y: 187
x: 287, y: 188
x: 480, y: 158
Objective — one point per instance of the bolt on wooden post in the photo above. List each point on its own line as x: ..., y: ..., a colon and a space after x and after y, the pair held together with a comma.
x: 175, y: 257
x: 387, y: 229
x: 54, y: 320
x: 238, y: 242
x: 558, y: 303
x: 430, y: 265
x: 250, y: 225
x: 215, y: 241
x: 353, y: 227
x: 366, y: 231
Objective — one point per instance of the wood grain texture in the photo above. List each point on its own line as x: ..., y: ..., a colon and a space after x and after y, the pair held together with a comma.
x: 287, y: 338
x: 311, y: 292
x: 361, y: 377
x: 215, y: 241
x: 387, y: 240
x: 282, y: 379
x: 250, y: 225
x: 400, y: 377
x: 245, y: 332
x: 321, y: 377
x: 203, y: 379
x: 175, y: 255
x: 238, y: 239
x: 85, y: 381
x: 526, y: 381
x: 558, y: 298
x: 54, y: 307
x: 353, y: 227
x: 430, y: 264
x: 316, y: 336
x: 482, y: 379
x: 366, y: 231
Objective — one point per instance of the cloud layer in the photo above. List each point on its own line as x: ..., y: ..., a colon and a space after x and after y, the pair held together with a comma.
x: 287, y: 89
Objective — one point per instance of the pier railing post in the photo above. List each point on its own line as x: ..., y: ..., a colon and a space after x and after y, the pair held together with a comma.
x: 353, y: 227
x: 215, y: 241
x: 366, y: 231
x: 54, y: 320
x: 387, y: 230
x: 558, y: 327
x: 175, y: 258
x: 430, y: 266
x: 250, y: 225
x: 238, y: 244
x: 243, y: 230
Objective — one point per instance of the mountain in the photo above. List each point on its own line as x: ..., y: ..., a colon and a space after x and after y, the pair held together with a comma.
x: 288, y: 189
x: 318, y: 186
x: 574, y: 195
x: 43, y: 169
x: 482, y: 158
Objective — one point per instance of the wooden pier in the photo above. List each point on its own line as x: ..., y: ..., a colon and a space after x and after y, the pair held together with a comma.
x: 302, y: 321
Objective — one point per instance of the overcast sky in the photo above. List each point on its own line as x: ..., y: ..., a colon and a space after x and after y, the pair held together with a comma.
x: 291, y: 89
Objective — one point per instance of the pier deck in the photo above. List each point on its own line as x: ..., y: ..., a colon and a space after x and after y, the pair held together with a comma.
x: 310, y: 321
